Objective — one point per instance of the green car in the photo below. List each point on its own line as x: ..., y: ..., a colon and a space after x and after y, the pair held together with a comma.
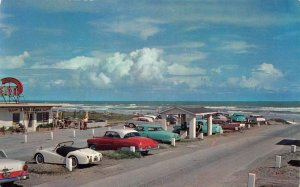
x: 200, y: 125
x: 156, y: 132
x: 238, y: 117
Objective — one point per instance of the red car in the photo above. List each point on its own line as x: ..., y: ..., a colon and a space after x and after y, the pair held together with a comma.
x: 122, y: 138
x: 233, y: 126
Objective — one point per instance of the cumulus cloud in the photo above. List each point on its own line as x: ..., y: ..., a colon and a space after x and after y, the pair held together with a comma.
x: 178, y: 69
x: 13, y: 62
x: 79, y: 62
x: 99, y: 80
x: 262, y: 77
x: 238, y: 47
x: 141, y: 67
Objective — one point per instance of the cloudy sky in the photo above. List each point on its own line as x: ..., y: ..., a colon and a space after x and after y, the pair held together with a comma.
x: 152, y: 50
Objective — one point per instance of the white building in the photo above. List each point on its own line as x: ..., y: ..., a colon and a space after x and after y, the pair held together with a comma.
x: 29, y: 114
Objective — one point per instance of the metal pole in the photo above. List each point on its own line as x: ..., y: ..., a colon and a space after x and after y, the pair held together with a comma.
x: 251, y: 180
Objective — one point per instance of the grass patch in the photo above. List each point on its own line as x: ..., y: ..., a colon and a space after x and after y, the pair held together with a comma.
x: 121, y: 154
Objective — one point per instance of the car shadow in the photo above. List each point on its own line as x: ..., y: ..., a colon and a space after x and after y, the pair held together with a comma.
x: 86, y: 166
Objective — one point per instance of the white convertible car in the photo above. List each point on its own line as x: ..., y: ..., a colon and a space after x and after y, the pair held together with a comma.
x: 11, y: 170
x: 63, y: 150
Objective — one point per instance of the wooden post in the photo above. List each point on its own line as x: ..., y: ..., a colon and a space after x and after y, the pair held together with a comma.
x: 201, y: 136
x: 278, y: 161
x: 173, y: 142
x: 293, y: 148
x: 93, y: 132
x: 74, y: 134
x: 251, y: 180
x: 51, y: 135
x: 221, y: 131
x: 25, y: 138
x: 69, y: 164
x: 132, y: 149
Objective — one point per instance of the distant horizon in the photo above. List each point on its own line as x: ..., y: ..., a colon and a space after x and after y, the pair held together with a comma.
x: 172, y: 100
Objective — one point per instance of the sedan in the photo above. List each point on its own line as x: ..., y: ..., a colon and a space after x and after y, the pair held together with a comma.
x: 123, y: 138
x: 11, y: 170
x: 156, y: 132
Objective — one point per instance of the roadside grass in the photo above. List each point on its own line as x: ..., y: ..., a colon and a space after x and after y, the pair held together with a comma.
x: 121, y: 154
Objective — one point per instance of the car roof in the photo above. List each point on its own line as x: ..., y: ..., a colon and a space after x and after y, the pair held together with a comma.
x: 121, y: 132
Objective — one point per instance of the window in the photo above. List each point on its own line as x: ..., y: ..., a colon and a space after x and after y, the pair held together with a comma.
x: 155, y: 129
x: 42, y: 117
x: 112, y: 134
x: 139, y: 128
x: 132, y: 134
x: 16, y: 118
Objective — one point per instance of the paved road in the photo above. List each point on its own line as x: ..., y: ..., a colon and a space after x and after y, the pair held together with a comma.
x: 214, y: 166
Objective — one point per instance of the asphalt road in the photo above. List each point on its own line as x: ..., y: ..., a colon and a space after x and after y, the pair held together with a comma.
x: 213, y: 166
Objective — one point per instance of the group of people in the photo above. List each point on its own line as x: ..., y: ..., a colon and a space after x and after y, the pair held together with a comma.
x: 66, y: 124
x: 83, y: 124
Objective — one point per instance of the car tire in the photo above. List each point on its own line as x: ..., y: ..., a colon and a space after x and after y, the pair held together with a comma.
x: 131, y: 125
x: 92, y: 146
x: 8, y: 184
x: 144, y: 153
x: 39, y: 158
x: 74, y: 161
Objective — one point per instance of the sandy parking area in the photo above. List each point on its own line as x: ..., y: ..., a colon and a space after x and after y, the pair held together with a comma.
x: 55, y: 174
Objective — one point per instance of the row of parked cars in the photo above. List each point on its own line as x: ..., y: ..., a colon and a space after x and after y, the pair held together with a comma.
x: 144, y: 137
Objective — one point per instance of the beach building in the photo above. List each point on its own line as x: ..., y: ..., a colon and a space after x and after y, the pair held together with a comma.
x: 28, y: 114
x: 189, y: 115
x: 13, y: 112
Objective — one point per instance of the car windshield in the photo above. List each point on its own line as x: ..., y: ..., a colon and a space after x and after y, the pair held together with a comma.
x: 69, y: 143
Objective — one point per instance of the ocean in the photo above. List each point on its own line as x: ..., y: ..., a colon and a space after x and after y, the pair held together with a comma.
x: 288, y: 110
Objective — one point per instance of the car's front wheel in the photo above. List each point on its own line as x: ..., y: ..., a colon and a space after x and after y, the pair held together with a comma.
x: 92, y: 146
x: 39, y: 158
x: 131, y: 125
x: 144, y: 153
x: 74, y: 161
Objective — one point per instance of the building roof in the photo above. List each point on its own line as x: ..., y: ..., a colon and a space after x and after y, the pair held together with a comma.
x: 25, y: 105
x: 188, y: 110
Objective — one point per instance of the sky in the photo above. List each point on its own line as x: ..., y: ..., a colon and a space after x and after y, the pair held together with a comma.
x: 159, y: 50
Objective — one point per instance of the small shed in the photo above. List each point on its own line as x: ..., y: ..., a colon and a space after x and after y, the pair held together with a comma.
x: 188, y: 115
